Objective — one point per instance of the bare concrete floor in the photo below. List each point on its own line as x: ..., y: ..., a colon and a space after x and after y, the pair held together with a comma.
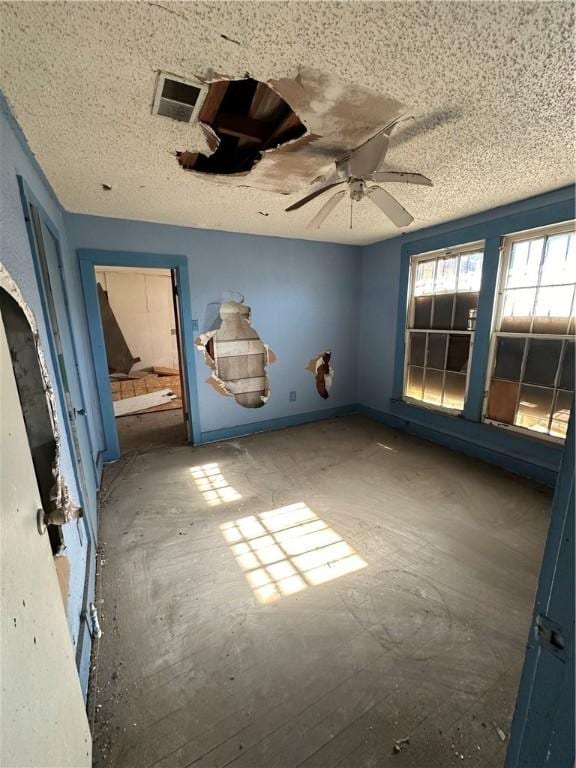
x: 305, y: 598
x: 144, y: 431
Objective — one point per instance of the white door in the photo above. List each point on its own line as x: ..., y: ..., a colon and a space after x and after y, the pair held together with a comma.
x: 42, y: 716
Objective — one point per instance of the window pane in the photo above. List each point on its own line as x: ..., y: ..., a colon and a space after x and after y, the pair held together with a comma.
x: 417, y: 348
x: 445, y: 291
x: 458, y: 351
x: 502, y: 401
x: 534, y: 408
x: 424, y: 278
x: 446, y: 272
x: 542, y: 361
x: 567, y: 374
x: 443, y: 311
x: 436, y: 350
x: 561, y: 414
x: 509, y: 353
x: 517, y: 310
x: 433, y: 387
x: 559, y: 260
x: 454, y: 389
x: 470, y: 273
x: 465, y: 314
x: 525, y: 263
x: 552, y: 309
x: 414, y: 382
x: 422, y: 310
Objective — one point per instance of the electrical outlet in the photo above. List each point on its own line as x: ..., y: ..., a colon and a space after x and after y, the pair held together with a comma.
x: 194, y: 324
x: 292, y: 396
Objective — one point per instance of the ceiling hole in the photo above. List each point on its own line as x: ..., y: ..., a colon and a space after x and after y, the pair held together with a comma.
x: 248, y: 118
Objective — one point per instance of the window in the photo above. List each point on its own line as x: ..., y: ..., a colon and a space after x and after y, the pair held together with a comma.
x: 531, y: 376
x: 443, y: 301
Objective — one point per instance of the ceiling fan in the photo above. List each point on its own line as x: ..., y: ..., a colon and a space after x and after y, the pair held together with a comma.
x: 358, y: 169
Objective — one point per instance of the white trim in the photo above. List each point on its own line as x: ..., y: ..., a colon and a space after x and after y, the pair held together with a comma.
x: 456, y: 250
x: 546, y: 231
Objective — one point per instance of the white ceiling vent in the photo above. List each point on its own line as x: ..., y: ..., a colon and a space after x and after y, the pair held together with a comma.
x: 177, y: 98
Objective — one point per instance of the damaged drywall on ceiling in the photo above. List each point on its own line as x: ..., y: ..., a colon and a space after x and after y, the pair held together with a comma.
x: 323, y: 373
x: 327, y: 117
x: 61, y: 509
x: 237, y: 356
x: 241, y: 119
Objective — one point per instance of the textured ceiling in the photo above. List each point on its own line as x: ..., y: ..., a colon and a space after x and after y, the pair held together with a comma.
x: 491, y: 86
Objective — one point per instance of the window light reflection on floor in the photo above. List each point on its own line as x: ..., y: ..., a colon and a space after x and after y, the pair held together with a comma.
x: 210, y: 481
x: 287, y: 550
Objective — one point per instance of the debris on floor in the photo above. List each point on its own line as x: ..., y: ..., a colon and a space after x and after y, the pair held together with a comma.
x: 132, y: 376
x: 400, y: 744
x: 500, y: 732
x: 129, y: 387
x: 143, y: 402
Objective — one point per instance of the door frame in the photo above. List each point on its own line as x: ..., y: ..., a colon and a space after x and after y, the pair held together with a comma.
x: 28, y: 198
x: 89, y: 259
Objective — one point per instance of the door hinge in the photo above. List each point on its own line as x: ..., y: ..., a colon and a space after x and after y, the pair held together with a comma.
x: 91, y: 619
x: 550, y: 636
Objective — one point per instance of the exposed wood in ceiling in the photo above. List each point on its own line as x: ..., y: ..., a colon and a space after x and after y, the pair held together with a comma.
x: 248, y: 117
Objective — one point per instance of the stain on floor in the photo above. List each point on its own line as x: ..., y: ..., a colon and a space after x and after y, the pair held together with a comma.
x: 335, y: 595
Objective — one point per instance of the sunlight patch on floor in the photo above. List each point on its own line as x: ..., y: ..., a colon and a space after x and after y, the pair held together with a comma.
x: 287, y: 550
x: 211, y: 483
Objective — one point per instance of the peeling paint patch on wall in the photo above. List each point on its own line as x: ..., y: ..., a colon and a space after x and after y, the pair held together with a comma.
x: 237, y: 356
x: 323, y: 373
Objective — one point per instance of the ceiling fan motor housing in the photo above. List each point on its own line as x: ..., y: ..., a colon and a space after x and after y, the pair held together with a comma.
x: 357, y: 189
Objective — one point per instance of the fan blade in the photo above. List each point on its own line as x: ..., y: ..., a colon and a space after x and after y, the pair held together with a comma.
x: 364, y: 160
x: 312, y: 195
x: 405, y: 178
x: 390, y: 207
x: 326, y: 210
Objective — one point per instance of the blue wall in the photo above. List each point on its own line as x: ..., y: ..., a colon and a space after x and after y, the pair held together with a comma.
x: 382, y: 306
x: 15, y: 254
x: 304, y: 297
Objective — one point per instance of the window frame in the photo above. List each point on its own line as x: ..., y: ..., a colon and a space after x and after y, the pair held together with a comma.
x: 414, y: 260
x: 507, y: 242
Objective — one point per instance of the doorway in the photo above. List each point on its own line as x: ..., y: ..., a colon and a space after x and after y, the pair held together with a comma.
x: 139, y: 315
x: 139, y: 319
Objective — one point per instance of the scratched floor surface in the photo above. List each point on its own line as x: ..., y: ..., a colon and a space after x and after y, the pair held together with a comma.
x: 336, y: 595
